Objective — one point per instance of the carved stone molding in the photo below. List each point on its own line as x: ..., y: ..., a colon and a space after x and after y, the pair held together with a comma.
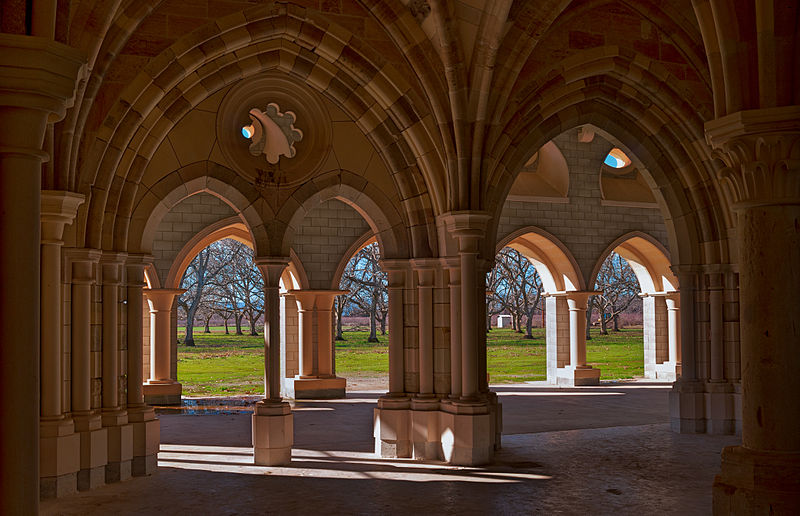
x: 761, y: 151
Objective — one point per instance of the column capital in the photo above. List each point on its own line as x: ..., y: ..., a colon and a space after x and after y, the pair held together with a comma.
x: 161, y: 299
x: 135, y: 264
x: 316, y: 299
x: 397, y: 270
x: 577, y: 299
x: 59, y: 208
x: 39, y: 73
x: 761, y: 152
x: 469, y: 227
x: 426, y: 270
x: 272, y: 268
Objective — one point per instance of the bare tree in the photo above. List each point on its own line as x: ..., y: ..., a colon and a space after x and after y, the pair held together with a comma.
x: 239, y: 286
x: 201, y: 271
x: 516, y: 287
x: 367, y: 285
x: 620, y: 288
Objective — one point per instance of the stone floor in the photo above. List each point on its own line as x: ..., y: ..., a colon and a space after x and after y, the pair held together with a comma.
x: 600, y: 450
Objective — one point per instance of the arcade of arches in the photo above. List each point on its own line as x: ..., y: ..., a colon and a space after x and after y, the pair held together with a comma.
x: 133, y: 133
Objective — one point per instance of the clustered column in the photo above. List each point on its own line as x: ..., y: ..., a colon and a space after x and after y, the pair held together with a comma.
x: 59, y: 445
x: 94, y: 438
x: 142, y: 417
x: 114, y: 417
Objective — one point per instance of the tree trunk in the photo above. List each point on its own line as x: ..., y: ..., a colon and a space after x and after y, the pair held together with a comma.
x: 226, y: 326
x: 189, y: 340
x: 529, y: 326
x: 383, y: 323
x: 206, y: 329
x: 589, y: 322
x: 616, y: 317
x: 238, y: 320
x: 339, y: 311
x: 252, y: 321
x: 603, y: 326
x: 373, y: 327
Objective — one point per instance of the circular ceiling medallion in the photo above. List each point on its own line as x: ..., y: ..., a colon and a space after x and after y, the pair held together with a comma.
x: 310, y: 118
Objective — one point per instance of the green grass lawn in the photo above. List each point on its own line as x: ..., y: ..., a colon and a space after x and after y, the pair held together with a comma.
x: 221, y: 365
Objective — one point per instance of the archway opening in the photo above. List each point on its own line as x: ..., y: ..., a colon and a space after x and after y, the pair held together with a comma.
x: 361, y: 333
x: 640, y: 291
x: 220, y: 317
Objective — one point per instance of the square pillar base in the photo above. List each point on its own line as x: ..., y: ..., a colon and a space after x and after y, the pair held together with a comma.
x: 667, y: 371
x: 59, y: 459
x: 721, y: 402
x: 145, y: 443
x: 757, y: 482
x: 94, y: 452
x: 687, y: 407
x: 426, y: 442
x: 315, y: 388
x: 458, y: 433
x: 162, y: 393
x: 273, y: 433
x: 391, y: 428
x: 574, y: 376
x: 120, y: 453
x: 467, y: 434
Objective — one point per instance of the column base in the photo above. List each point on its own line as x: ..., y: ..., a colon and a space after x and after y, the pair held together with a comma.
x: 59, y: 458
x: 667, y: 371
x: 757, y: 482
x: 459, y: 433
x: 467, y: 435
x: 273, y: 433
x: 94, y: 452
x: 570, y: 376
x: 146, y: 438
x: 721, y: 402
x: 426, y: 442
x: 687, y: 407
x: 158, y: 392
x: 315, y: 388
x: 120, y: 446
x: 391, y: 424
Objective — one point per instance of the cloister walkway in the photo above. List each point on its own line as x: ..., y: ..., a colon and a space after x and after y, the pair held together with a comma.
x: 604, y: 449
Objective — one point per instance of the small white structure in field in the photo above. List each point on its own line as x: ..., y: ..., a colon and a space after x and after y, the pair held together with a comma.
x: 504, y: 321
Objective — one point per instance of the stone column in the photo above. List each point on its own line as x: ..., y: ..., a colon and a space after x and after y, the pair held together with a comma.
x: 687, y: 397
x: 721, y: 396
x: 469, y: 421
x: 715, y: 313
x: 59, y: 444
x: 37, y: 83
x: 761, y: 151
x: 425, y: 280
x: 146, y: 428
x: 161, y: 388
x: 577, y: 372
x: 271, y: 270
x: 454, y: 281
x: 667, y: 307
x: 114, y: 416
x: 673, y: 329
x: 94, y: 438
x: 392, y: 416
x: 273, y: 422
x: 316, y: 379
